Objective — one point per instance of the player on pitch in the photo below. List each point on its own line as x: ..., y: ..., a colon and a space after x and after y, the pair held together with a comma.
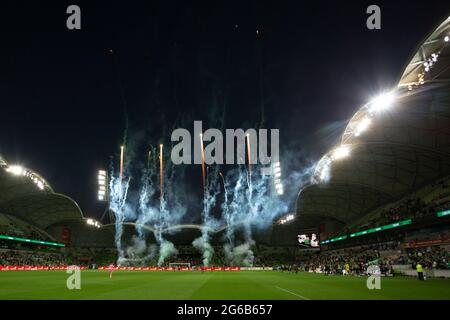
x: 111, y: 269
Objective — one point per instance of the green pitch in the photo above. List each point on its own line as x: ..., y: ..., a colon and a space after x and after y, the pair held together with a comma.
x: 213, y: 285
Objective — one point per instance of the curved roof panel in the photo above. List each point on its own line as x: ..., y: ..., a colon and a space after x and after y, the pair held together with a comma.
x: 25, y: 194
x: 426, y: 64
x: 42, y: 210
x: 392, y: 146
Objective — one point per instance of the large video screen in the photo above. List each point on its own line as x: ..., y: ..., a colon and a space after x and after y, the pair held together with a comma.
x: 308, y: 240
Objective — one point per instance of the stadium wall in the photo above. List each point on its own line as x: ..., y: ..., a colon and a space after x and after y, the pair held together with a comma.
x: 406, y: 270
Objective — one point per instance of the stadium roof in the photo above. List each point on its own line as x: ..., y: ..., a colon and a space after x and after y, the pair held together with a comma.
x: 2, y: 162
x: 392, y: 146
x: 26, y: 195
x: 431, y: 45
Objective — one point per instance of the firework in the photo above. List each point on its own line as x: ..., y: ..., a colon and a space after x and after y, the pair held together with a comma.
x: 203, y: 162
x: 121, y: 169
x: 148, y: 158
x: 161, y: 174
x: 249, y: 160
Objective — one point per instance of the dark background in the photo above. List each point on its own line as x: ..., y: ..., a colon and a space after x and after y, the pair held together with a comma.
x: 65, y: 95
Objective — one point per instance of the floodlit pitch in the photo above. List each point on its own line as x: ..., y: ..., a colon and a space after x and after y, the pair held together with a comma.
x: 178, y: 285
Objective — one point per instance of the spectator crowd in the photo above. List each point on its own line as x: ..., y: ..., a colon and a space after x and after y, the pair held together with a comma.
x: 21, y: 258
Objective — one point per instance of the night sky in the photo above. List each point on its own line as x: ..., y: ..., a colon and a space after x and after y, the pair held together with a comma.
x: 64, y: 95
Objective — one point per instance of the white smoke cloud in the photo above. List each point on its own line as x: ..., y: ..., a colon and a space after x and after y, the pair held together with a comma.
x: 241, y: 255
x: 166, y: 250
x: 202, y: 244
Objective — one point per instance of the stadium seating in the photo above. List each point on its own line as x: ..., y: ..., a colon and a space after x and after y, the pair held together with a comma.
x: 427, y: 201
x: 27, y: 258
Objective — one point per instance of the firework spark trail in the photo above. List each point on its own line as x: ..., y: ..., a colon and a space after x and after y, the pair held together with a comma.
x: 152, y: 211
x: 118, y: 197
x: 203, y: 163
x: 237, y: 210
x: 249, y: 162
x: 175, y: 208
x: 212, y: 190
x: 156, y: 213
x: 161, y: 173
x: 117, y: 204
x: 171, y: 210
x: 233, y: 209
x: 248, y: 203
x: 148, y: 214
x: 225, y: 210
x: 121, y: 169
x: 252, y: 208
x: 248, y: 207
x: 149, y: 156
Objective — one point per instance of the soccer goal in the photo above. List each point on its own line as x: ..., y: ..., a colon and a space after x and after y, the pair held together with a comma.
x: 180, y: 265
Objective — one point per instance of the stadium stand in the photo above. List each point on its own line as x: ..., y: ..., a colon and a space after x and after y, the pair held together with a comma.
x: 386, y: 202
x: 402, y: 151
x: 11, y: 226
x: 23, y: 258
x: 276, y: 247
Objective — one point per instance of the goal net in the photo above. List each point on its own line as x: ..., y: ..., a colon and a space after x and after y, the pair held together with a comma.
x: 180, y: 265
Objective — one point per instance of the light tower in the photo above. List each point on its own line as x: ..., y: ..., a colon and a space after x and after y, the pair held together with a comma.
x: 276, y: 173
x: 103, y: 192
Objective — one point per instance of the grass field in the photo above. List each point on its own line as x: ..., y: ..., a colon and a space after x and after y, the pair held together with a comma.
x: 213, y: 285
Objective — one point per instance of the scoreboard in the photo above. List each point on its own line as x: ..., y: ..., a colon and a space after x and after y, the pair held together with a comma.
x: 308, y: 239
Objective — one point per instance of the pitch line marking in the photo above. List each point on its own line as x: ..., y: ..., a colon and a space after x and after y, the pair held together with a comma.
x: 295, y: 294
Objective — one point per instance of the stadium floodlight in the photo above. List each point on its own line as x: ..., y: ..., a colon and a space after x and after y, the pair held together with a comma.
x: 341, y: 152
x: 93, y: 223
x: 102, y: 185
x: 16, y: 170
x: 40, y: 185
x: 325, y: 173
x: 362, y: 126
x: 382, y: 102
x: 322, y: 170
x: 21, y: 171
x: 279, y: 188
x: 276, y: 172
x: 286, y: 219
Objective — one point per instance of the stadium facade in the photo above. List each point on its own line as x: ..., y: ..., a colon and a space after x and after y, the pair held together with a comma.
x: 382, y: 156
x: 30, y: 206
x: 32, y: 209
x: 393, y: 146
